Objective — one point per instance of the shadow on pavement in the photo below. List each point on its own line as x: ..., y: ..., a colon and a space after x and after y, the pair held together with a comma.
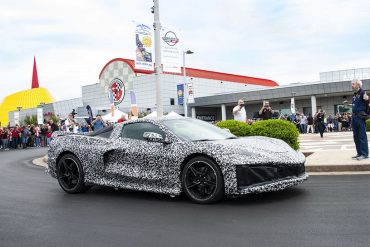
x: 110, y: 194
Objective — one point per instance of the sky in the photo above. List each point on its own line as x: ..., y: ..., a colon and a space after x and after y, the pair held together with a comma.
x: 288, y: 41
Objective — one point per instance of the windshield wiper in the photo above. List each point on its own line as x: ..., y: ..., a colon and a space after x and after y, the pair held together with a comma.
x: 231, y: 137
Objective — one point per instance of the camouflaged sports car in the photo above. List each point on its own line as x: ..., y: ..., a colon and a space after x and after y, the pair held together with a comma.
x: 172, y: 156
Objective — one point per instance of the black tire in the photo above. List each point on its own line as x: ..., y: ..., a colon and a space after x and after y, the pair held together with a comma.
x: 202, y: 181
x: 70, y: 174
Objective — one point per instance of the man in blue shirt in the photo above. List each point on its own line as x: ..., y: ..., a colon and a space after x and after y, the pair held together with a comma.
x: 359, y: 111
x: 98, y: 123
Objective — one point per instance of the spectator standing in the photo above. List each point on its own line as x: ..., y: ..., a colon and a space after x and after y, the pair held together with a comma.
x: 15, y: 137
x: 98, y: 123
x: 49, y: 133
x: 4, y: 138
x: 303, y: 124
x: 37, y: 136
x: 359, y: 107
x: 330, y: 123
x: 239, y: 112
x: 320, y: 121
x: 340, y: 119
x: 266, y: 111
x: 25, y: 133
x: 54, y: 126
x: 310, y: 124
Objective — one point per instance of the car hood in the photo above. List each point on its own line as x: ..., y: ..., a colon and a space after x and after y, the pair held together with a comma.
x: 257, y: 149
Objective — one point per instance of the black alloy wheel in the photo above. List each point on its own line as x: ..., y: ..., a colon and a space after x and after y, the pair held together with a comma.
x: 70, y: 174
x: 202, y: 181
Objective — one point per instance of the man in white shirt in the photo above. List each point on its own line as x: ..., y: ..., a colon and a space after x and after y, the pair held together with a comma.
x: 239, y: 112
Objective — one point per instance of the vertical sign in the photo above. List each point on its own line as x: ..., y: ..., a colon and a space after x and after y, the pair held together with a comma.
x: 40, y: 116
x: 144, y: 47
x: 190, y: 93
x: 16, y: 118
x: 292, y: 105
x: 171, y: 53
x: 180, y: 94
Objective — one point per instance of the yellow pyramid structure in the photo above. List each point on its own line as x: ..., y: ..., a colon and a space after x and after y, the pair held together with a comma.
x: 26, y: 99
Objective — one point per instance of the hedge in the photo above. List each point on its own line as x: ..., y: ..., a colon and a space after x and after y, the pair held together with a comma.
x: 236, y: 127
x: 368, y: 125
x: 275, y: 128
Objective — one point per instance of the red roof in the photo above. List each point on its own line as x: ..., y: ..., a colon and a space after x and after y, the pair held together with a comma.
x: 199, y: 73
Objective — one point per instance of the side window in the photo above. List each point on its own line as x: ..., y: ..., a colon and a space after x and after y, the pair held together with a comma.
x: 136, y: 130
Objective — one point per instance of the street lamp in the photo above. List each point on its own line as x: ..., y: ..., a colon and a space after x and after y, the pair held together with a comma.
x: 185, y: 83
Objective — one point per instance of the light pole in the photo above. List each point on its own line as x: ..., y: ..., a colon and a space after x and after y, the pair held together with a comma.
x: 185, y: 82
x: 158, y: 63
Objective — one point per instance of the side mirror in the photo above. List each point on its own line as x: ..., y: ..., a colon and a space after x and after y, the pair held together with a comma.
x: 153, y: 137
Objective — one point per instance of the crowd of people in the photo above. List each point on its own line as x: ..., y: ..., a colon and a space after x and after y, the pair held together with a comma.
x: 26, y: 136
x: 320, y: 121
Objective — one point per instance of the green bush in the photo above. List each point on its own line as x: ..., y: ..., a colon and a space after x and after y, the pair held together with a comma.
x: 275, y: 128
x: 368, y: 125
x: 236, y: 127
x: 279, y: 129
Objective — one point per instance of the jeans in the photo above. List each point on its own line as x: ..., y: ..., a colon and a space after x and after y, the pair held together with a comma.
x: 5, y: 143
x: 359, y: 136
x: 37, y: 139
x: 48, y: 141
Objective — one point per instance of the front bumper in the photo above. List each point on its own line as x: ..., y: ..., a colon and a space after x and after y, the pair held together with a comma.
x: 264, y: 178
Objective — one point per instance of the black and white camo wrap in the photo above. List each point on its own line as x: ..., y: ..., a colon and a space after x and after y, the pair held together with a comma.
x: 156, y: 167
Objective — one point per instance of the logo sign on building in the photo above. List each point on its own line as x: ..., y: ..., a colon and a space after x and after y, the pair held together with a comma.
x: 180, y: 94
x: 190, y: 93
x: 144, y: 47
x: 171, y: 53
x: 40, y: 116
x: 116, y: 92
x: 207, y: 118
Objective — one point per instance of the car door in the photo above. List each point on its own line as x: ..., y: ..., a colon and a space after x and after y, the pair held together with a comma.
x: 137, y: 160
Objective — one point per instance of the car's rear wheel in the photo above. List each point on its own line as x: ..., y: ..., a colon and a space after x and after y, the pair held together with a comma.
x: 202, y: 181
x: 70, y: 174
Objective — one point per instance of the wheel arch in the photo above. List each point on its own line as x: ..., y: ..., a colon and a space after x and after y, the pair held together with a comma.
x: 193, y: 155
x: 64, y: 153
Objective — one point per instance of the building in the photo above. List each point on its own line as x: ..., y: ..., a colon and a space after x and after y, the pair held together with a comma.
x: 327, y: 94
x: 142, y: 83
x: 23, y: 100
x: 215, y: 93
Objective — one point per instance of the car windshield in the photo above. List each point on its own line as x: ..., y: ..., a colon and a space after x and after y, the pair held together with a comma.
x: 189, y: 129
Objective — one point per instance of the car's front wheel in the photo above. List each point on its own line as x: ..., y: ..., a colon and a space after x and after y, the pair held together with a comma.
x: 202, y: 180
x: 70, y: 174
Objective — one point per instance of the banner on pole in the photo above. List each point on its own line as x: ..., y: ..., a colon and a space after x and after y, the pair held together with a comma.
x: 16, y: 118
x: 190, y: 93
x: 170, y: 53
x: 292, y: 105
x: 180, y: 94
x: 40, y: 116
x: 144, y: 47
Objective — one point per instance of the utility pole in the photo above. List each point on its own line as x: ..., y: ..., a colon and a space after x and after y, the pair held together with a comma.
x: 158, y: 63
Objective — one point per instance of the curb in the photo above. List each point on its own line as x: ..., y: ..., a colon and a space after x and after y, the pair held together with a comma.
x: 42, y: 161
x: 338, y: 168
